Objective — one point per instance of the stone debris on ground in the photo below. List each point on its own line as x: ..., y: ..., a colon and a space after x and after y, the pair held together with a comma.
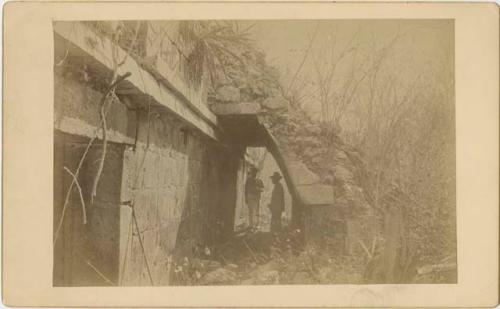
x: 261, y: 258
x: 265, y: 259
x: 220, y: 276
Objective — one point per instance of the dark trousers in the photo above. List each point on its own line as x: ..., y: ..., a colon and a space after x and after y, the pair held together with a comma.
x: 276, y: 221
x: 253, y: 213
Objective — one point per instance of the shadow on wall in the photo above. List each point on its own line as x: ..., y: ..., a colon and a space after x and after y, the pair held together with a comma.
x: 209, y: 208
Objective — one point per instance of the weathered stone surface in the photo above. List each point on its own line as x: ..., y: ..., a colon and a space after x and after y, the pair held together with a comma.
x: 169, y: 173
x: 207, y: 265
x: 236, y: 108
x: 268, y: 277
x: 275, y: 102
x: 306, y: 140
x: 328, y: 156
x: 316, y: 194
x: 269, y: 266
x: 341, y: 155
x: 143, y: 81
x: 301, y: 175
x: 232, y: 267
x: 169, y: 179
x: 78, y: 101
x: 302, y: 277
x: 313, y: 128
x: 227, y: 94
x: 249, y: 281
x: 219, y: 276
x: 342, y: 173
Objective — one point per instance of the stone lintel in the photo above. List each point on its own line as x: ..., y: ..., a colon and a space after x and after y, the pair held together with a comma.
x: 244, y: 108
x: 316, y: 194
x: 141, y: 80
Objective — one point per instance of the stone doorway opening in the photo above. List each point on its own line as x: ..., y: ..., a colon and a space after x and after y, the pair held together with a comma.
x: 262, y: 160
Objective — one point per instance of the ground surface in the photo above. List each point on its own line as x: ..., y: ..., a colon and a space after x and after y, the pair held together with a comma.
x: 255, y: 258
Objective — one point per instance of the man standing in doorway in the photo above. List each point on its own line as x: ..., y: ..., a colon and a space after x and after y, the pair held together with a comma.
x: 277, y: 205
x: 253, y: 191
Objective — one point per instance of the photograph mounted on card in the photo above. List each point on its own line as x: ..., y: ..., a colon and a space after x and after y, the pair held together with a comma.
x: 309, y: 154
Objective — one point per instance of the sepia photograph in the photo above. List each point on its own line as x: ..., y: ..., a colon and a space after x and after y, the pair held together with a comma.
x: 254, y: 152
x: 238, y: 154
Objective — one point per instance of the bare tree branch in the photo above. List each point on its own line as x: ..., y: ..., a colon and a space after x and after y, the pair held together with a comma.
x: 306, y: 54
x: 84, y: 212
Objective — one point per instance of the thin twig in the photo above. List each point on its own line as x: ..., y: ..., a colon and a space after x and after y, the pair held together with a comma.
x: 126, y: 250
x: 374, y: 245
x: 103, y: 152
x: 365, y: 248
x: 142, y: 246
x: 110, y: 91
x: 131, y: 46
x: 251, y: 252
x: 303, y: 59
x: 75, y: 180
x: 100, y: 273
x: 68, y: 193
x: 61, y: 62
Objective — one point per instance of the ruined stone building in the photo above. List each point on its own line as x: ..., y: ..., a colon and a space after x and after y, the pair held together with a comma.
x: 174, y: 168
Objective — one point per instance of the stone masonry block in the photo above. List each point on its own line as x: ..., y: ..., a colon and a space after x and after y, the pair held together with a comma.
x: 142, y: 207
x: 151, y: 164
x: 128, y: 173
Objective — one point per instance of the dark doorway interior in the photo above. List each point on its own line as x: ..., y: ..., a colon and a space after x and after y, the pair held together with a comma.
x: 86, y: 254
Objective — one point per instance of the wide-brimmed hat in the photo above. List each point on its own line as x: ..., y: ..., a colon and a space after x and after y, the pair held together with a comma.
x: 276, y: 175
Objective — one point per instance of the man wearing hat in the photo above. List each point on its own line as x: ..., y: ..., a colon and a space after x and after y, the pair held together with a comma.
x: 277, y: 205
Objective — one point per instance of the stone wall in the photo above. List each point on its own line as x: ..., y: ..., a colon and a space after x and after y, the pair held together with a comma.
x: 82, y: 248
x: 326, y: 226
x: 182, y: 193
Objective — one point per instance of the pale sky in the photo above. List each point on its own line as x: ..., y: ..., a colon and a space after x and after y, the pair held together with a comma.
x: 423, y: 46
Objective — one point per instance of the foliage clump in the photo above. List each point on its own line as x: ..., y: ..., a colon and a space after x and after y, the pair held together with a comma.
x: 228, y: 56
